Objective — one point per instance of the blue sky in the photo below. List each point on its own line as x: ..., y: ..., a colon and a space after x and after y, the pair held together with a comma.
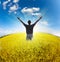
x: 30, y: 10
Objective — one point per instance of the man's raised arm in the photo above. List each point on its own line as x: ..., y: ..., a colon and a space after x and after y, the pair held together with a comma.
x: 21, y: 21
x: 37, y: 20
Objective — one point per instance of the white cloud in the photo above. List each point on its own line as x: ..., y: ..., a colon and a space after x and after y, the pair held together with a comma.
x: 5, y: 3
x: 46, y: 29
x: 15, y: 12
x: 31, y: 11
x: 37, y: 14
x: 56, y: 32
x: 15, y: 1
x: 44, y: 23
x: 13, y: 8
x: 41, y: 28
x: 7, y: 31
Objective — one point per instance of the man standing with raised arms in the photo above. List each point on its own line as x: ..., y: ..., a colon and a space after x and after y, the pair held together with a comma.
x: 29, y: 28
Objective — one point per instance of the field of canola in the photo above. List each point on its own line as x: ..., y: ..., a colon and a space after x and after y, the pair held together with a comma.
x: 43, y: 47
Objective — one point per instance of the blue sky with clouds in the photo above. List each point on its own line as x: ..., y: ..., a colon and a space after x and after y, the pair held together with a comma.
x: 30, y: 10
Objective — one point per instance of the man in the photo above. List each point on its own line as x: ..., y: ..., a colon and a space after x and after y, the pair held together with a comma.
x: 29, y: 28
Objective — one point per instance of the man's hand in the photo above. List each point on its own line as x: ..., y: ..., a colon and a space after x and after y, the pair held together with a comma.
x: 37, y: 20
x: 40, y: 17
x: 18, y: 17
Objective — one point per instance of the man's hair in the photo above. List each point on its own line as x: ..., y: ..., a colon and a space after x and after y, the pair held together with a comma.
x: 29, y: 22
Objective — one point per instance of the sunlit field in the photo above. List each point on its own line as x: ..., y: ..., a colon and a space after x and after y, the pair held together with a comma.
x: 42, y: 48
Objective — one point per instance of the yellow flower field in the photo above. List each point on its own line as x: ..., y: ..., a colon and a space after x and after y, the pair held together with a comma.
x: 42, y: 48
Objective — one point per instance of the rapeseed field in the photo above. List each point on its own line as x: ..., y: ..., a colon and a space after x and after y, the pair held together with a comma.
x: 43, y: 47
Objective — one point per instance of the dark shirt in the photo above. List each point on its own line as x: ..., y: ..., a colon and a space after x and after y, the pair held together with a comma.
x: 29, y: 28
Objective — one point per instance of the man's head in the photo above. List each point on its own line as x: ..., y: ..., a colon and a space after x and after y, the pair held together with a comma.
x: 29, y: 22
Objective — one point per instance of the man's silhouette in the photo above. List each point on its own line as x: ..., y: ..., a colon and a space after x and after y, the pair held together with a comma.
x: 29, y: 28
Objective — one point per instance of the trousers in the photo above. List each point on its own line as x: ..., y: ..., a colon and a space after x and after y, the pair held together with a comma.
x: 29, y: 36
